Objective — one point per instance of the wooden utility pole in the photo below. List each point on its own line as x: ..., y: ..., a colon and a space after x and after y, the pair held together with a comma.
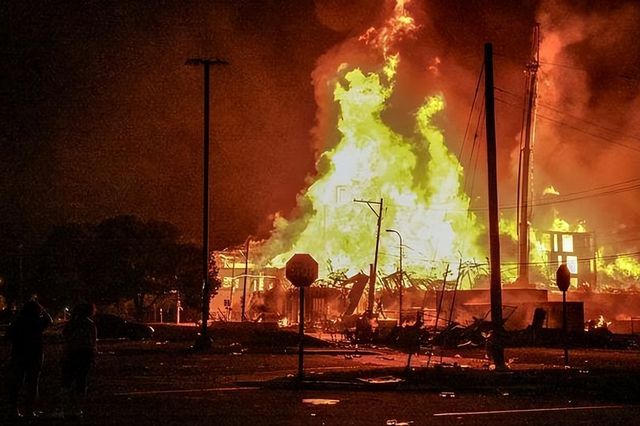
x: 497, y: 351
x: 525, y: 170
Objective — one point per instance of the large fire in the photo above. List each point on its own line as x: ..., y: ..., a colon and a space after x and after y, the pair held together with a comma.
x: 414, y: 176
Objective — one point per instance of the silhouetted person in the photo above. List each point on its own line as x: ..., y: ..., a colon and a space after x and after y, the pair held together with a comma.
x: 80, y: 337
x: 411, y: 337
x: 27, y: 354
x: 364, y: 327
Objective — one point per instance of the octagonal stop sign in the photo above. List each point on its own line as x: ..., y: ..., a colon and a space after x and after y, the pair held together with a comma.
x: 563, y: 278
x: 301, y: 270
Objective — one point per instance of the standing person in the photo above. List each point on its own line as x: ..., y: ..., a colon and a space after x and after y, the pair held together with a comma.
x: 27, y: 355
x: 79, y: 353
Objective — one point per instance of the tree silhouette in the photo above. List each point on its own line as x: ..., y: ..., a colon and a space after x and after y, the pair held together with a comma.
x: 121, y: 258
x: 62, y: 261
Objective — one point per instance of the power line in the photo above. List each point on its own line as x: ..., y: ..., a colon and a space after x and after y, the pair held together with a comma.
x: 590, y: 122
x: 589, y: 133
x: 570, y: 67
x: 579, y: 129
x: 616, y: 188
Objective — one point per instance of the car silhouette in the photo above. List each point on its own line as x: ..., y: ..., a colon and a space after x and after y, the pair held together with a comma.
x: 113, y: 327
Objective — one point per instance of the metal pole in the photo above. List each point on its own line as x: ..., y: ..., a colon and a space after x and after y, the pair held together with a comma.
x: 21, y: 279
x: 455, y: 291
x: 206, y: 290
x: 401, y: 283
x: 301, y: 336
x: 246, y: 272
x: 374, y: 267
x: 564, y: 328
x: 233, y: 279
x: 372, y: 288
x: 205, y: 208
x: 400, y: 278
x: 439, y: 309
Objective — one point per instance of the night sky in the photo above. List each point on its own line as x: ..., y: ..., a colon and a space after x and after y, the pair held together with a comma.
x: 100, y: 116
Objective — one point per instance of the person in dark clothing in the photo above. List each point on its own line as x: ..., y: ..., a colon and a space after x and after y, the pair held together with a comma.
x: 27, y: 355
x: 80, y: 347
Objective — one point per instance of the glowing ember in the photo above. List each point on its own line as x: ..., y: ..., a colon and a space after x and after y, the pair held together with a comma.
x: 283, y: 322
x: 599, y: 324
x: 320, y: 401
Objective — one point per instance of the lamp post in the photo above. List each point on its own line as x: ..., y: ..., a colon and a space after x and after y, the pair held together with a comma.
x: 204, y: 340
x: 233, y: 279
x: 400, y: 279
x: 244, y: 286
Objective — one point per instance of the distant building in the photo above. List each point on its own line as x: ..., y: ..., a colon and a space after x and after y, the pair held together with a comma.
x: 575, y: 249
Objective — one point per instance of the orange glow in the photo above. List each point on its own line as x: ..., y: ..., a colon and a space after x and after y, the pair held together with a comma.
x: 416, y: 175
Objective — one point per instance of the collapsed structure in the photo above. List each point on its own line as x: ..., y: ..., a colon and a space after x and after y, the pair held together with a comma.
x: 410, y: 168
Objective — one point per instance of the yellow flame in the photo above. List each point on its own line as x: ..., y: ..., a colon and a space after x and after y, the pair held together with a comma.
x: 602, y: 323
x: 621, y: 268
x: 508, y: 227
x: 423, y: 200
x: 390, y: 66
x: 416, y: 176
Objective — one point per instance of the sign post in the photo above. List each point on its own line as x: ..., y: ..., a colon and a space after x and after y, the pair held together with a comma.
x: 563, y: 281
x: 302, y: 271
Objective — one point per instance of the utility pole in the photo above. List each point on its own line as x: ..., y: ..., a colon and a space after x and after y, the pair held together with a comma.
x: 21, y: 278
x: 497, y: 346
x: 204, y: 341
x: 400, y: 283
x: 439, y: 307
x: 372, y: 278
x: 246, y: 272
x: 233, y: 279
x: 528, y: 133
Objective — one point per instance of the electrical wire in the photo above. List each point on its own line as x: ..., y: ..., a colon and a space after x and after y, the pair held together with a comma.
x: 572, y: 127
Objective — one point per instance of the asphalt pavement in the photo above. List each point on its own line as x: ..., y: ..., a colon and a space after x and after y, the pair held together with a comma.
x: 164, y: 382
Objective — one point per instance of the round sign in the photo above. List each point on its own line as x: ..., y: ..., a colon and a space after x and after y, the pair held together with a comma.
x: 301, y: 270
x: 563, y: 277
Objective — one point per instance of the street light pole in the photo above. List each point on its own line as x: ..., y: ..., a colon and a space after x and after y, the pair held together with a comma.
x: 400, y: 279
x: 204, y: 340
x: 244, y: 286
x: 374, y: 267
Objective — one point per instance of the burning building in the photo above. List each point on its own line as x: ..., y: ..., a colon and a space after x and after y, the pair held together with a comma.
x: 380, y: 143
x: 413, y: 174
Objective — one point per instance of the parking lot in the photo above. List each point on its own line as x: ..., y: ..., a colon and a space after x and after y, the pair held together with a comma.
x: 162, y: 382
